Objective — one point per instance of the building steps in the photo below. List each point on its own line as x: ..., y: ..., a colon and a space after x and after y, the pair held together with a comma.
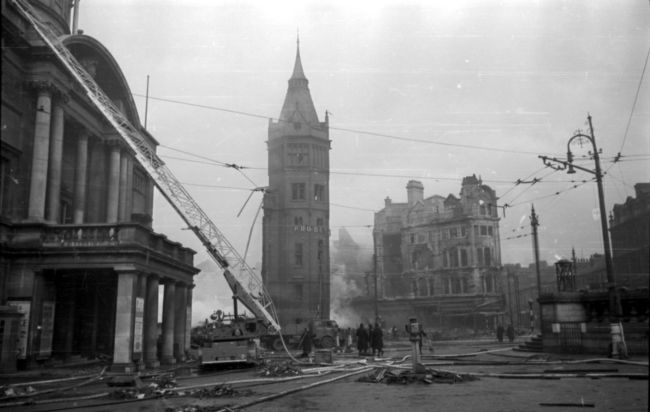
x: 533, y: 345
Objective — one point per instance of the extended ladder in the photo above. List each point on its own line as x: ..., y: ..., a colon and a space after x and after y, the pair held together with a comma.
x: 246, y: 286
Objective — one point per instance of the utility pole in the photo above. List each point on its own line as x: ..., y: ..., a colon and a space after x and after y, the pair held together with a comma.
x: 374, y: 264
x: 534, y: 223
x: 615, y: 310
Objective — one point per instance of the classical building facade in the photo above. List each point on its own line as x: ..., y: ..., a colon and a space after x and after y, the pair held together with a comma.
x: 295, y: 267
x: 79, y: 257
x: 440, y: 257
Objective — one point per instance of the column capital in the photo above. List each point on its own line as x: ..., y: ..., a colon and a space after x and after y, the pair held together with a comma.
x: 47, y: 86
x: 153, y: 276
x: 126, y: 269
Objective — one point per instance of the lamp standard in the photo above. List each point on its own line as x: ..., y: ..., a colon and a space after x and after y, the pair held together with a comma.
x: 614, y: 301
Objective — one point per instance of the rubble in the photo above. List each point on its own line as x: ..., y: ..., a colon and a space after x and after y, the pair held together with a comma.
x: 428, y: 376
x: 279, y: 369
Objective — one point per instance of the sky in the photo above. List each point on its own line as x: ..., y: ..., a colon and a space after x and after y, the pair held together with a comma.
x: 423, y: 90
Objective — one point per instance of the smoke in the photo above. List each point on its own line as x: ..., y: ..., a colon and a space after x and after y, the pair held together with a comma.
x: 343, y: 289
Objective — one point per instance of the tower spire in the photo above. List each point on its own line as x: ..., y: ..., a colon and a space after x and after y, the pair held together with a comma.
x: 298, y: 72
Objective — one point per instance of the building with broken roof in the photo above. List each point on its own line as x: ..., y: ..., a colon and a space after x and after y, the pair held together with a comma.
x: 439, y: 258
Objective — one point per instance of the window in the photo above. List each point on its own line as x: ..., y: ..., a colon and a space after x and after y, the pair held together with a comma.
x: 453, y: 232
x: 297, y: 291
x: 298, y: 191
x: 319, y: 192
x: 487, y: 256
x: 463, y: 231
x: 453, y: 254
x: 445, y: 260
x: 431, y: 289
x: 422, y: 238
x: 463, y: 257
x: 414, y: 260
x: 298, y: 254
x: 412, y: 238
x: 320, y: 250
x: 482, y: 210
x: 297, y: 220
x: 319, y: 221
x: 455, y: 285
x: 483, y: 230
x: 479, y: 255
x: 490, y: 232
x: 476, y: 230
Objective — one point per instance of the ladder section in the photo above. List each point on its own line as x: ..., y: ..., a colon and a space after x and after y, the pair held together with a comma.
x: 245, y: 285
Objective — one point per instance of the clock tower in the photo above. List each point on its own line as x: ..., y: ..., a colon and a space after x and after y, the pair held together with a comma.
x: 295, y: 263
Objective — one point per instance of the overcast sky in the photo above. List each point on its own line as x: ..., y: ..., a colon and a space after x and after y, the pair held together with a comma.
x: 514, y: 77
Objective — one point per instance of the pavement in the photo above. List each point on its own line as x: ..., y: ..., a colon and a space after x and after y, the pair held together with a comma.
x: 502, y: 380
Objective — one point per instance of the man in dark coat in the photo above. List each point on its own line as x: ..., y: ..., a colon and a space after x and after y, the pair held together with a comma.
x: 306, y: 342
x: 500, y: 332
x: 510, y: 332
x: 378, y: 341
x: 362, y: 340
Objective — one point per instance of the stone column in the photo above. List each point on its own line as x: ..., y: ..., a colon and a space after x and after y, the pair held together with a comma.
x: 56, y: 158
x: 124, y: 320
x: 38, y: 179
x: 113, y: 199
x: 180, y: 321
x: 167, y: 355
x: 80, y: 178
x: 151, y: 323
x: 124, y: 181
x: 188, y: 320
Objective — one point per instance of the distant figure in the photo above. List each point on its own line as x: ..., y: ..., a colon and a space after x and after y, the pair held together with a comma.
x: 348, y: 347
x: 500, y: 332
x: 371, y: 337
x: 362, y: 340
x: 393, y: 332
x: 510, y: 332
x: 306, y: 342
x: 378, y: 341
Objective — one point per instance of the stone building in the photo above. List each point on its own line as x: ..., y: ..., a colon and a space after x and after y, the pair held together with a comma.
x: 295, y: 267
x: 79, y: 257
x: 440, y: 258
x: 629, y: 227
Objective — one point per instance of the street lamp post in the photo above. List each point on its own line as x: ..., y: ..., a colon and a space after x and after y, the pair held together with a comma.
x: 614, y: 301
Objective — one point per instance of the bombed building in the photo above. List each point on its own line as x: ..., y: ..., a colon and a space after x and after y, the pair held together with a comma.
x: 439, y: 259
x: 80, y: 261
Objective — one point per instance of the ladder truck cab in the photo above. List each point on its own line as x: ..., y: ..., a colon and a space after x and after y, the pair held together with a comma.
x: 228, y: 339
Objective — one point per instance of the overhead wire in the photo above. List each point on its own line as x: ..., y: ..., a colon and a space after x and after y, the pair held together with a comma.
x: 342, y: 129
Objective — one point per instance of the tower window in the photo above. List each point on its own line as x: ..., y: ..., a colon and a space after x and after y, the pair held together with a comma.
x: 319, y: 192
x: 298, y: 254
x: 297, y: 220
x: 298, y: 191
x: 297, y: 291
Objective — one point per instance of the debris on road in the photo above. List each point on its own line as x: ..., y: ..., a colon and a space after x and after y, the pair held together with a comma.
x: 196, y: 408
x: 279, y: 369
x: 428, y: 376
x: 218, y: 391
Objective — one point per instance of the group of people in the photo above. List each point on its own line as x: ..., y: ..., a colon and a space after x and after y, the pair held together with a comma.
x: 510, y: 332
x: 371, y: 338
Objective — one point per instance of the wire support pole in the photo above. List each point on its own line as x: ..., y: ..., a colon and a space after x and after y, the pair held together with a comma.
x: 534, y: 222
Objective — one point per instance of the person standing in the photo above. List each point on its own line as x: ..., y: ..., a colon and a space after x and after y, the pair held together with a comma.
x: 371, y: 339
x: 378, y: 341
x: 306, y: 342
x: 362, y: 340
x: 510, y: 332
x: 500, y: 332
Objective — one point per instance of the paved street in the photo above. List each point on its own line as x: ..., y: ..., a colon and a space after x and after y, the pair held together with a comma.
x: 504, y: 384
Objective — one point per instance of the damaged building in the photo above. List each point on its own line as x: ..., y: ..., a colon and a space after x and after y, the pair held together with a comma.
x: 439, y: 259
x: 80, y: 261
